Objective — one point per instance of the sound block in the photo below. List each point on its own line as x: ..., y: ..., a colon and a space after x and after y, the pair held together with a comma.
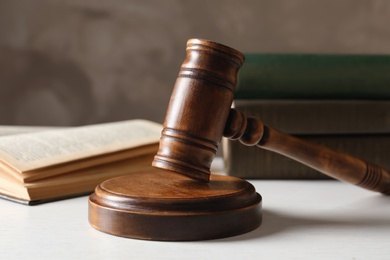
x: 166, y: 206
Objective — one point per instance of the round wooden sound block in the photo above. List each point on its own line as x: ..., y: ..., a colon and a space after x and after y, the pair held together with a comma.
x: 166, y: 206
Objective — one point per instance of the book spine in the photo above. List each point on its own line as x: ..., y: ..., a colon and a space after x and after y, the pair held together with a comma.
x: 310, y: 76
x: 256, y: 163
x: 321, y: 116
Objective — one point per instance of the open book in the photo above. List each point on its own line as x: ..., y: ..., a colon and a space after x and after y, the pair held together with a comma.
x: 39, y: 165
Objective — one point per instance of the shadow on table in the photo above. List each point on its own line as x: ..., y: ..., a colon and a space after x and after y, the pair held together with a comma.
x: 275, y: 222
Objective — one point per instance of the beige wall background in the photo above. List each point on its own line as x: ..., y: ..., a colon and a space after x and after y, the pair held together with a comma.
x: 74, y: 62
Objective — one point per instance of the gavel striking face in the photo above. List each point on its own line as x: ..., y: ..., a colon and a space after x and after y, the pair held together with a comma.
x: 199, y: 114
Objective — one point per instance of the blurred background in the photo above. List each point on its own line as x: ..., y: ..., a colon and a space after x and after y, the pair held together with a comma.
x: 73, y: 62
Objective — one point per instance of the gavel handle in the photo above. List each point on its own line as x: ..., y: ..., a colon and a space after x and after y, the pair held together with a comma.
x: 251, y: 131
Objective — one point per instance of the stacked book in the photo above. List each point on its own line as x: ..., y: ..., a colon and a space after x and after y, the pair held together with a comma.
x: 340, y: 101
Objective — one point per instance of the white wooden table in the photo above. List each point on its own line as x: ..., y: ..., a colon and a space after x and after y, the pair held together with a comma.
x: 301, y: 220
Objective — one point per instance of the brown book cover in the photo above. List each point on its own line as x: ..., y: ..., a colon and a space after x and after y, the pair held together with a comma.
x: 360, y: 128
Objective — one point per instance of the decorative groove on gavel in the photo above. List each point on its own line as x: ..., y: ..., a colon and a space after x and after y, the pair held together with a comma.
x: 251, y: 131
x: 198, y: 109
x: 199, y: 114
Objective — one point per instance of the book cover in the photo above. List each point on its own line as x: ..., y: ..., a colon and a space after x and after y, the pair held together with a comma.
x: 314, y: 76
x: 256, y: 163
x: 42, y: 166
x: 357, y: 127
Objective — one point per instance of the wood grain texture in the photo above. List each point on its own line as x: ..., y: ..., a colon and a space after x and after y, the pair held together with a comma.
x: 304, y: 220
x: 163, y: 205
x: 170, y: 207
x: 199, y: 114
x: 335, y: 164
x: 198, y: 109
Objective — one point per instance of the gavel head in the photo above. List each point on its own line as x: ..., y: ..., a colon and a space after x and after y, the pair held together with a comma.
x: 198, y: 109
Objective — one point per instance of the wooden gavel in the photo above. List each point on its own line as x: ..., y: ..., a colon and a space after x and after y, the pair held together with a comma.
x: 199, y: 114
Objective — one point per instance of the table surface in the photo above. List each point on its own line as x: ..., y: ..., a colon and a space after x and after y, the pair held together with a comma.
x: 301, y: 220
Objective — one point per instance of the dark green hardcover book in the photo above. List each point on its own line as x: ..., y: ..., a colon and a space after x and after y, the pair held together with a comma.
x: 314, y: 76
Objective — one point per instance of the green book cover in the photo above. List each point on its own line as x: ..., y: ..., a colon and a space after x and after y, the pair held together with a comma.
x: 314, y: 76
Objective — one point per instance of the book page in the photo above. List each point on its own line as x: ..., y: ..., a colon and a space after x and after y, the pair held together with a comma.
x: 30, y: 151
x: 12, y: 130
x: 78, y: 164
